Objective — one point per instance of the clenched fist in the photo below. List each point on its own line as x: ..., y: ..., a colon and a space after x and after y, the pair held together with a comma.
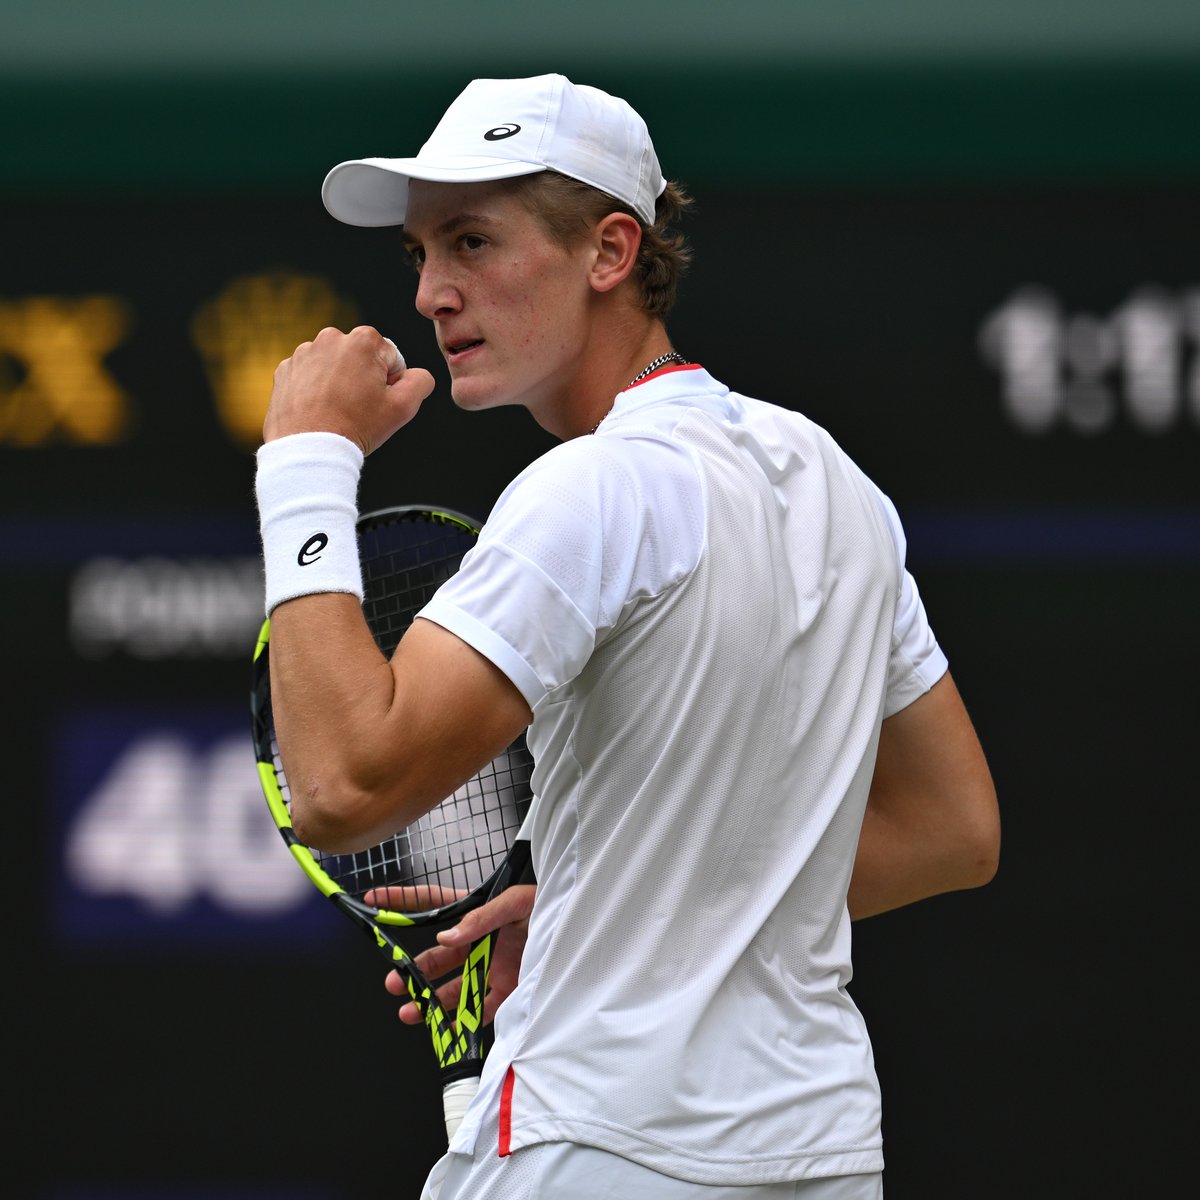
x: 354, y: 384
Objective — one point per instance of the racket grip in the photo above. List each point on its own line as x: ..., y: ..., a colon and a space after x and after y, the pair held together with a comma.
x: 456, y: 1095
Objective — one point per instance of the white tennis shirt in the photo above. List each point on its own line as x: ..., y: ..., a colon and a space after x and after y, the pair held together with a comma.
x: 707, y: 609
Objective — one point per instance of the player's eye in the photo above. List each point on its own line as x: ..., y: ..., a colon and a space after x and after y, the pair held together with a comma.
x: 415, y: 256
x: 472, y: 241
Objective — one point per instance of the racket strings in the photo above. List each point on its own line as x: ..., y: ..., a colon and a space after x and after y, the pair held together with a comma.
x: 404, y: 561
x: 452, y: 850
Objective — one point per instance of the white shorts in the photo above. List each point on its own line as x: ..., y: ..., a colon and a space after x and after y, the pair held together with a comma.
x: 555, y: 1170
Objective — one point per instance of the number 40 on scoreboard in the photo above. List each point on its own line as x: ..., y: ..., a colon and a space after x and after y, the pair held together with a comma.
x: 175, y: 796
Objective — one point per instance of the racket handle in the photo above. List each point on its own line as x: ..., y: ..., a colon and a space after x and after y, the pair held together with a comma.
x: 455, y: 1098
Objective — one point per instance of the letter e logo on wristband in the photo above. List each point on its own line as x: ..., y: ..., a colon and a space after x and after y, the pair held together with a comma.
x: 311, y: 550
x: 306, y: 485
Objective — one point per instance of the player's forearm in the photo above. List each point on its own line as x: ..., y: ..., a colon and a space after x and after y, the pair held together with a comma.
x: 333, y: 693
x: 898, y: 864
x: 911, y: 852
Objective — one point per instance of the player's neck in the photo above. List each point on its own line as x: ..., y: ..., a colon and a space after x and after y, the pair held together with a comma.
x: 609, y: 367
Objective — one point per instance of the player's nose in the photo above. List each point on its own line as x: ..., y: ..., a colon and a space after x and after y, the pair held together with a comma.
x: 436, y: 294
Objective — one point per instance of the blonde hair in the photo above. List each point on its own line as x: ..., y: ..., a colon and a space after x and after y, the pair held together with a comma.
x: 569, y: 208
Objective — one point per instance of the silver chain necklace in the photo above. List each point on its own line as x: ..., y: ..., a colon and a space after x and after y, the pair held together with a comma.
x: 661, y: 361
x: 649, y: 369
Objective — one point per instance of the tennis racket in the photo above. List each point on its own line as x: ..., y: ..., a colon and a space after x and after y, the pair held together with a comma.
x: 451, y: 860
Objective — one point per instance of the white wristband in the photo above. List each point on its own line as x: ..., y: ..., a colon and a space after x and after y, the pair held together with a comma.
x: 307, y: 487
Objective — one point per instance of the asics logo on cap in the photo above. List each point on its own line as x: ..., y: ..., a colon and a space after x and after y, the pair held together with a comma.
x: 501, y: 132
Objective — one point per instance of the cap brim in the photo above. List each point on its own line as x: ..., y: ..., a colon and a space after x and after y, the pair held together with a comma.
x: 374, y: 191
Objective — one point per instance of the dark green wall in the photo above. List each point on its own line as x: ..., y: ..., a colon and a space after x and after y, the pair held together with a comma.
x: 915, y: 121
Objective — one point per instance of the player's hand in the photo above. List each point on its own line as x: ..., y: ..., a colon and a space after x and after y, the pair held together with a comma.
x: 509, y: 914
x: 352, y: 383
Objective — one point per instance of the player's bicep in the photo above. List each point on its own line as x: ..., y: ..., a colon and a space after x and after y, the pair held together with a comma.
x: 929, y: 745
x: 450, y: 711
x: 930, y: 773
x: 932, y: 822
x: 454, y: 710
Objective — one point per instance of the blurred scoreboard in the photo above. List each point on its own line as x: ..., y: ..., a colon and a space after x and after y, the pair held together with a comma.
x: 1019, y: 369
x: 137, y: 348
x: 1017, y: 366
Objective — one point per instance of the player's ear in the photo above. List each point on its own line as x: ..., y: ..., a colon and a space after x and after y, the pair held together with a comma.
x: 616, y: 240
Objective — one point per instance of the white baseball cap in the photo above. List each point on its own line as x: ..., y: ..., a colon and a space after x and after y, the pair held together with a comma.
x: 500, y: 128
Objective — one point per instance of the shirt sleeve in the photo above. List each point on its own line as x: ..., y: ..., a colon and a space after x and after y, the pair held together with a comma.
x: 507, y: 607
x: 916, y: 661
x: 590, y: 527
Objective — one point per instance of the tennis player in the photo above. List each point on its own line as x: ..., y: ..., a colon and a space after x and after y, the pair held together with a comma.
x: 745, y: 731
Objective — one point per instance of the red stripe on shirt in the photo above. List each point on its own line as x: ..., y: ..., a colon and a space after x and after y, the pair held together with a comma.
x: 506, y: 1113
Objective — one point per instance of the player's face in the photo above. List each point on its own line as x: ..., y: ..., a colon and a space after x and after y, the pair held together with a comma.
x: 509, y: 303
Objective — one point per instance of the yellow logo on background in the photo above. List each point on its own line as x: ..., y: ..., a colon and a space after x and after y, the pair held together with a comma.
x: 64, y: 394
x: 244, y: 333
